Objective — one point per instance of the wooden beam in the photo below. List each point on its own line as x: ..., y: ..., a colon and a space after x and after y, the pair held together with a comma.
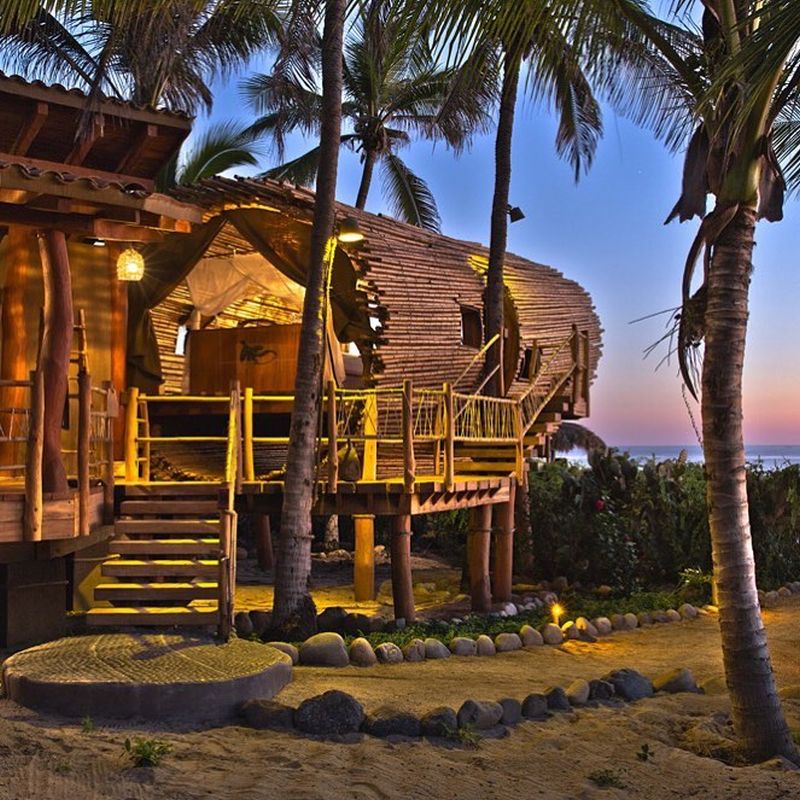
x: 30, y: 128
x: 84, y: 144
x: 146, y: 136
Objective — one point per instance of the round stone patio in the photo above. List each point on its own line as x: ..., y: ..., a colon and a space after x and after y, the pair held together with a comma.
x: 147, y: 676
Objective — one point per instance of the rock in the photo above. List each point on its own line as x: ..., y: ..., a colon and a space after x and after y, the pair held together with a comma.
x: 677, y: 680
x: 603, y: 625
x: 601, y: 690
x: 509, y: 608
x: 673, y: 615
x: 604, y: 590
x: 332, y: 619
x: 357, y: 623
x: 631, y: 621
x: 376, y: 623
x: 485, y: 645
x: 552, y: 634
x: 287, y: 648
x: 400, y: 623
x: 659, y: 615
x: 688, y: 611
x: 435, y: 649
x: 262, y: 621
x: 388, y: 721
x: 479, y: 714
x: 570, y: 630
x: 784, y: 591
x: 324, y: 650
x: 442, y: 721
x: 644, y: 618
x: 243, y: 625
x: 512, y: 711
x: 618, y: 622
x: 548, y: 598
x: 268, y: 715
x: 534, y: 706
x: 629, y: 684
x: 414, y: 650
x: 389, y: 653
x: 362, y: 654
x: 715, y: 685
x: 331, y: 713
x: 578, y: 692
x: 530, y: 637
x: 583, y: 624
x: 463, y: 646
x: 507, y: 642
x: 559, y: 584
x: 557, y: 699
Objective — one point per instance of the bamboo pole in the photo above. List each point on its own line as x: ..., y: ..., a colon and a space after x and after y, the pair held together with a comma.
x: 131, y: 435
x: 409, y: 460
x: 146, y: 445
x: 247, y: 432
x: 333, y: 444
x: 109, y: 432
x: 449, y: 435
x: 84, y: 434
x: 32, y: 519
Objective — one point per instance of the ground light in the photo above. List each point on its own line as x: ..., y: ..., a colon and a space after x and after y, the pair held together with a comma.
x: 557, y: 611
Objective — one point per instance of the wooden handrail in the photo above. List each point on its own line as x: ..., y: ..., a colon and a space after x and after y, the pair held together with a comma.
x: 132, y: 435
x: 34, y: 502
x: 449, y: 438
x: 477, y: 355
x: 333, y: 444
x: 409, y: 460
x: 247, y: 433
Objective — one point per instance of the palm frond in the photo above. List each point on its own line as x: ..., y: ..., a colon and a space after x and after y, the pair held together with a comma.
x: 409, y: 197
x: 222, y: 147
x: 301, y: 170
x: 572, y: 436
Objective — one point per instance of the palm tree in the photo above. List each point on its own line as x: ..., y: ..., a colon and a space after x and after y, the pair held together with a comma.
x: 393, y: 89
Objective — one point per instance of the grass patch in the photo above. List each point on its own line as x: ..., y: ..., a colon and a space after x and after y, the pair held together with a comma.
x: 146, y: 752
x: 607, y: 779
x: 87, y: 724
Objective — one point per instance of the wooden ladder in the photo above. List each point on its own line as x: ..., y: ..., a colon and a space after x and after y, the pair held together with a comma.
x: 166, y: 558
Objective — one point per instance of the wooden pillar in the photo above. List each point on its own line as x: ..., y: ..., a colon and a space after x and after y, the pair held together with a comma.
x: 364, y: 566
x: 20, y: 257
x: 266, y: 558
x: 118, y: 339
x: 479, y: 542
x: 56, y: 346
x: 402, y: 582
x: 502, y: 578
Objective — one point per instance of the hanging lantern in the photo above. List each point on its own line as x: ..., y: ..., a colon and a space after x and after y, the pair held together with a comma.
x: 130, y: 265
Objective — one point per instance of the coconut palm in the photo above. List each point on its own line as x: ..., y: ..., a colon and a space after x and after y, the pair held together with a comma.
x: 572, y: 436
x: 393, y: 90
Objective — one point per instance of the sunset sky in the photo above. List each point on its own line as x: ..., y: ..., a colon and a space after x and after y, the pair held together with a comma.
x: 608, y: 234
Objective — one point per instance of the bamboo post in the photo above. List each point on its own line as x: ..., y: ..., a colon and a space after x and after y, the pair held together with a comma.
x: 409, y: 461
x: 266, y: 557
x: 84, y: 434
x: 364, y: 558
x: 586, y: 370
x: 519, y: 447
x: 236, y: 399
x: 333, y: 443
x: 478, y: 551
x: 502, y: 578
x: 247, y: 432
x: 108, y: 431
x: 32, y: 519
x: 146, y: 450
x: 575, y: 345
x: 402, y: 580
x: 449, y: 439
x: 131, y: 435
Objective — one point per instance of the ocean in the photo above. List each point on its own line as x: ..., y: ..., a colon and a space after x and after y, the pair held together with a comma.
x: 770, y: 455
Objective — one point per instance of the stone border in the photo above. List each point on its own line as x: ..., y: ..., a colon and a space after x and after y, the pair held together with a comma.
x: 338, y: 714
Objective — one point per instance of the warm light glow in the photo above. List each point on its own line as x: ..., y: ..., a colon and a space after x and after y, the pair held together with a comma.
x: 557, y: 611
x: 349, y: 231
x: 130, y: 265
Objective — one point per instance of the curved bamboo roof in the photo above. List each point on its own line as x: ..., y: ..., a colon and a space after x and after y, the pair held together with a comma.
x: 413, y: 283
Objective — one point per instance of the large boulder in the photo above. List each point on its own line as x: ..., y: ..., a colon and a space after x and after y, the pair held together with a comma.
x: 631, y: 620
x: 507, y: 642
x: 287, y: 648
x: 578, y: 692
x: 324, y: 650
x: 629, y: 684
x: 442, y: 721
x: 357, y: 624
x: 328, y: 714
x: 485, y: 645
x: 463, y: 646
x: 583, y: 625
x: 603, y: 625
x: 243, y: 624
x: 262, y: 621
x: 552, y: 634
x: 530, y: 636
x: 676, y: 680
x: 534, y: 706
x: 414, y: 650
x: 673, y: 615
x: 512, y: 711
x: 557, y: 699
x: 570, y: 630
x: 435, y: 649
x: 389, y: 653
x: 388, y: 721
x: 601, y: 690
x: 479, y: 714
x: 268, y: 715
x: 362, y: 654
x: 688, y: 611
x: 332, y: 619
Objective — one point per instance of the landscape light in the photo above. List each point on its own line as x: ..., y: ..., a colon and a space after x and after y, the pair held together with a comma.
x: 515, y: 213
x: 130, y: 265
x: 557, y: 611
x: 349, y: 231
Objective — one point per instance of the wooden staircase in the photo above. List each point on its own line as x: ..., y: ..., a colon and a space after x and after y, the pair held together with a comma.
x: 165, y: 558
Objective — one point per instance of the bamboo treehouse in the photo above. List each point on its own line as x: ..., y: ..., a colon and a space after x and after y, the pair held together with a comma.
x: 192, y: 371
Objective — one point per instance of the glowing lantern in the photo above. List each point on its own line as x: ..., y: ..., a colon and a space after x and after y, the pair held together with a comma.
x: 130, y: 265
x: 556, y: 610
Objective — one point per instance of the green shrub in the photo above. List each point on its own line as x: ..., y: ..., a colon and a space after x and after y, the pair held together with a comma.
x: 146, y: 752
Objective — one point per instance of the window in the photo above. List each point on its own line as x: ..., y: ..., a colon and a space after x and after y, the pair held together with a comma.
x: 180, y: 340
x: 471, y: 327
x: 530, y: 364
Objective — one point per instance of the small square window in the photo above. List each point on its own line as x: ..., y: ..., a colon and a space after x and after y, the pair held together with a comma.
x: 471, y: 327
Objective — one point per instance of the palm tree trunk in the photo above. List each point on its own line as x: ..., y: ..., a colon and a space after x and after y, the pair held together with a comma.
x: 370, y: 158
x: 293, y: 608
x: 495, y: 291
x: 757, y: 714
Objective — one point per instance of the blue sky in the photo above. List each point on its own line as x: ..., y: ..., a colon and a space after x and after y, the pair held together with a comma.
x: 608, y: 234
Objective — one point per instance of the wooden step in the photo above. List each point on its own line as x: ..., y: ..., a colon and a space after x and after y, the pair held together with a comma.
x: 484, y: 454
x: 157, y: 547
x: 467, y: 465
x: 157, y: 615
x: 166, y: 489
x: 145, y: 567
x: 549, y: 416
x: 178, y: 527
x: 189, y: 507
x: 544, y: 427
x: 174, y: 591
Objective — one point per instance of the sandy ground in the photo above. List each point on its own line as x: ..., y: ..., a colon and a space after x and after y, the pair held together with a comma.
x: 43, y: 757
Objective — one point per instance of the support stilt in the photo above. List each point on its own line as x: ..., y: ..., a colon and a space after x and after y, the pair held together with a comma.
x: 502, y: 577
x: 364, y: 566
x: 402, y: 582
x: 266, y: 558
x: 478, y: 546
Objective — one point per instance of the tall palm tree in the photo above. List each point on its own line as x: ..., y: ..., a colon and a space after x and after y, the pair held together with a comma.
x: 393, y: 89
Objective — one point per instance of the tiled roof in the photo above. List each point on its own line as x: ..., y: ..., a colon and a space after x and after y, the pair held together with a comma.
x: 96, y: 182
